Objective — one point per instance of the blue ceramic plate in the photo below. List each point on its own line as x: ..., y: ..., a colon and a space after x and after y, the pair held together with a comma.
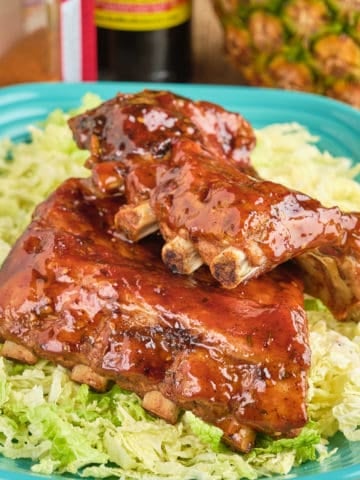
x: 337, y: 125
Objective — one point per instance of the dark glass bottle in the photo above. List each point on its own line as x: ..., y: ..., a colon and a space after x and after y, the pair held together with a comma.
x: 131, y: 47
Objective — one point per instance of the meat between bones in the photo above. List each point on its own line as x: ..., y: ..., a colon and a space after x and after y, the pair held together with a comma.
x: 112, y: 312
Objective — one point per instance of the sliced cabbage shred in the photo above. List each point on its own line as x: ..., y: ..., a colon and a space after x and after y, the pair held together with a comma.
x: 288, y: 154
x: 30, y: 171
x: 63, y: 427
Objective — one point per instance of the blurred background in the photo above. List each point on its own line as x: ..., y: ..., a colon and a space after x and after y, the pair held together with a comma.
x: 309, y: 45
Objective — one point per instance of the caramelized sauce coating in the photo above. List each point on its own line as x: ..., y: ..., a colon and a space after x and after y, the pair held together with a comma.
x: 146, y: 125
x: 332, y: 272
x: 150, y: 122
x: 72, y: 294
x: 183, y: 167
x: 214, y: 204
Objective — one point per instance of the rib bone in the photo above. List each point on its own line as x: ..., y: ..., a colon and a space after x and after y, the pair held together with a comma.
x: 84, y: 374
x: 136, y: 221
x: 18, y: 352
x: 156, y: 403
x: 231, y: 267
x: 238, y: 436
x: 180, y: 256
x: 242, y: 440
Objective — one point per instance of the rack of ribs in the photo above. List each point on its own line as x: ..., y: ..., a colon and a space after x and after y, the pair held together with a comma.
x: 180, y: 171
x: 112, y: 312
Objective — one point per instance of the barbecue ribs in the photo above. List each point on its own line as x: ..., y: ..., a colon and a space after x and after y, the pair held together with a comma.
x: 183, y: 167
x: 129, y: 135
x: 111, y: 311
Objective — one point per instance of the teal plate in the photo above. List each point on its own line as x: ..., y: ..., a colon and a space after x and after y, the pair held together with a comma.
x: 336, y: 124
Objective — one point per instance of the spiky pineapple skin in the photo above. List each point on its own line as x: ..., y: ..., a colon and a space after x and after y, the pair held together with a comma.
x: 309, y: 45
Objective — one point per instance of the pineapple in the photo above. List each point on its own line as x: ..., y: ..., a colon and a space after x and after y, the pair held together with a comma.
x: 309, y: 45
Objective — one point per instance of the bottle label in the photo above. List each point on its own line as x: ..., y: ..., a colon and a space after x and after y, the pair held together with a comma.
x: 141, y: 15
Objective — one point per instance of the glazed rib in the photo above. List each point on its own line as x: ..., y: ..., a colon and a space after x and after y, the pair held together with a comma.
x: 130, y: 135
x: 239, y: 225
x: 112, y: 312
x: 149, y: 123
x: 332, y: 273
x: 180, y: 170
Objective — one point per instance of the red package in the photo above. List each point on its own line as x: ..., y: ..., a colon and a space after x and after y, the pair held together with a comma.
x: 78, y: 41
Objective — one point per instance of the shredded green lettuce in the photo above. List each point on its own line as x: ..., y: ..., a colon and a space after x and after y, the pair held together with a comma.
x: 66, y: 428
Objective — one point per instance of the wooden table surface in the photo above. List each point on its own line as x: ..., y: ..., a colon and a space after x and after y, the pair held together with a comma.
x: 209, y: 62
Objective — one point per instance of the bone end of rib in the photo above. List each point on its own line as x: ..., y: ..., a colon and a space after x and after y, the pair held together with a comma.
x: 84, y: 374
x: 231, y: 267
x: 180, y: 256
x: 136, y: 221
x: 156, y: 403
x: 18, y: 352
x: 242, y: 440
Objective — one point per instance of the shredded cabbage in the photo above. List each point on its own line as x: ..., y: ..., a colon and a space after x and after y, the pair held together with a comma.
x: 287, y: 153
x: 334, y: 394
x: 64, y: 427
x: 30, y: 171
